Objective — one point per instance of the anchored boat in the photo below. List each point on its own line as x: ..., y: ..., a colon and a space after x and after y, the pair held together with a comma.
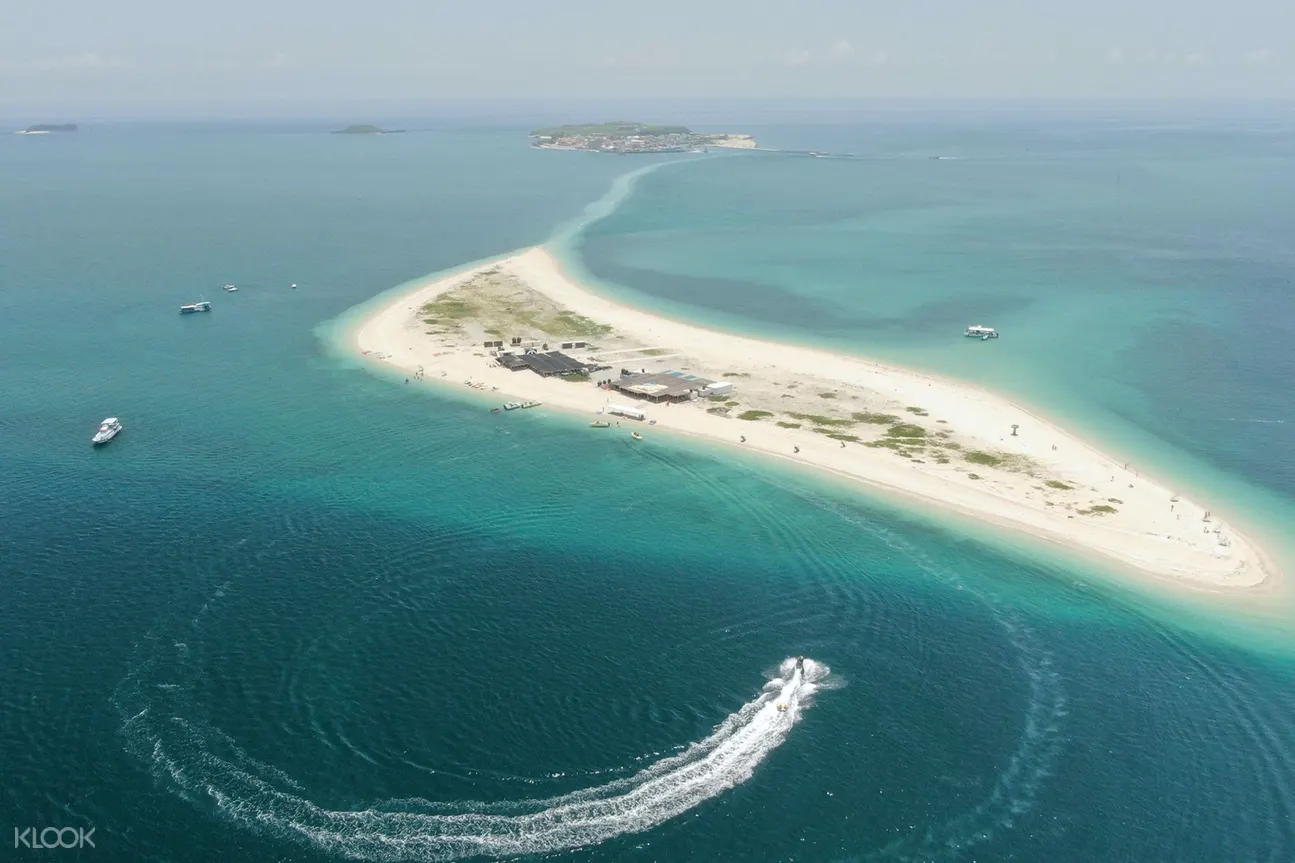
x: 200, y: 306
x: 108, y: 429
x: 980, y: 331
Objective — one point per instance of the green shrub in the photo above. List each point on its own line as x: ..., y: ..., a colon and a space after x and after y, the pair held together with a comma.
x: 875, y: 419
x: 816, y: 419
x: 906, y: 430
x: 754, y: 415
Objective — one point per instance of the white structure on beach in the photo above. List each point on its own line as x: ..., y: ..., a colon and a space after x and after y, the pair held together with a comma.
x: 627, y: 412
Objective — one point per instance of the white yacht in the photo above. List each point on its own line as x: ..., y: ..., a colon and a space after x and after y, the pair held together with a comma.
x: 980, y: 331
x: 230, y: 288
x: 108, y: 429
x: 200, y: 306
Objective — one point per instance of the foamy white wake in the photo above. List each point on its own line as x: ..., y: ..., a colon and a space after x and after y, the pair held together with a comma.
x: 254, y: 794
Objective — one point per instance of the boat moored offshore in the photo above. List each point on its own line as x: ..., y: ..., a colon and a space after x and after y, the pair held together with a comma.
x: 108, y: 429
x: 229, y: 289
x: 980, y: 331
x: 200, y: 306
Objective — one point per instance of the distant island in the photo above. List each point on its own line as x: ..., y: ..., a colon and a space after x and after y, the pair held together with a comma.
x: 46, y: 128
x: 626, y: 137
x: 366, y: 130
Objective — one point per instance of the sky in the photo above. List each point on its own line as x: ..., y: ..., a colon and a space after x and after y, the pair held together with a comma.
x: 95, y: 54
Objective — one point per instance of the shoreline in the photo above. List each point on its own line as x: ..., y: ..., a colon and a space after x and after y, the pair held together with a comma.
x: 1141, y: 534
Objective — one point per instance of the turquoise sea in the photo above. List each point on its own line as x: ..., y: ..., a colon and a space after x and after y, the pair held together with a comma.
x: 299, y: 611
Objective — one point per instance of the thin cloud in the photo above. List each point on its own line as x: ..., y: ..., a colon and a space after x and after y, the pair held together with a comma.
x: 798, y: 57
x: 87, y: 61
x: 841, y: 48
x: 279, y: 60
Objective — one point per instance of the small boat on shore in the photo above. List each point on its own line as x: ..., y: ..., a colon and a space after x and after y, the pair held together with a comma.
x: 494, y: 410
x: 530, y: 404
x: 192, y: 308
x: 108, y: 429
x: 229, y: 289
x: 600, y: 424
x: 512, y: 406
x: 980, y: 331
x: 636, y: 436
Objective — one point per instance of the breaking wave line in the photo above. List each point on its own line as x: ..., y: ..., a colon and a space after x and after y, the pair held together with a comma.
x: 204, y: 764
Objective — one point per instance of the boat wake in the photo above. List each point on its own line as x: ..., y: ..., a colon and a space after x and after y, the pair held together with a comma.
x: 204, y: 764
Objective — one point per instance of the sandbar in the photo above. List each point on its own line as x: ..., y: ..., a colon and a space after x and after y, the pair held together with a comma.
x: 947, y: 443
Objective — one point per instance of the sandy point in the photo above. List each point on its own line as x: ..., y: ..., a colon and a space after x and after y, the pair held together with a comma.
x: 946, y: 443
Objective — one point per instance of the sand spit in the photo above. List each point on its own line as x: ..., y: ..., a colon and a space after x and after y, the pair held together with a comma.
x: 945, y: 442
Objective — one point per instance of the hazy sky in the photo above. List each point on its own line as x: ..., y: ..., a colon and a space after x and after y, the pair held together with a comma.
x: 93, y: 52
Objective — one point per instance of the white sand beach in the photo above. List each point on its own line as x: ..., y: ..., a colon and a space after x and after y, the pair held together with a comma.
x: 946, y: 443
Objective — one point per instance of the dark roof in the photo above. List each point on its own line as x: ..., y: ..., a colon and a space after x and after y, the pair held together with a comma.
x: 551, y: 363
x: 657, y: 385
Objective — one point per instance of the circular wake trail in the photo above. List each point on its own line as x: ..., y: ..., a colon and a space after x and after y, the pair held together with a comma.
x: 205, y: 763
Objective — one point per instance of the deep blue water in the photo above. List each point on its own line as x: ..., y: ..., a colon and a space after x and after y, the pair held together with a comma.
x: 298, y: 612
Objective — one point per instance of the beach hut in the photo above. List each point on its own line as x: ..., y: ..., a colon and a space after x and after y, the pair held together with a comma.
x: 719, y: 388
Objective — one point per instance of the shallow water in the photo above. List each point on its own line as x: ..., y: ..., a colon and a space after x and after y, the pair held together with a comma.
x: 296, y: 608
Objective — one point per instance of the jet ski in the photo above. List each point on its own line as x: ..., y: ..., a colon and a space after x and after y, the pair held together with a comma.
x: 800, y: 664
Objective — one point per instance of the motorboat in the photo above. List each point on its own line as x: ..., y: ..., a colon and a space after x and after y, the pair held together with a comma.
x: 530, y: 404
x: 782, y: 707
x: 980, y: 331
x: 636, y: 436
x: 600, y: 424
x: 293, y: 286
x: 229, y: 289
x: 108, y: 429
x: 512, y: 406
x: 191, y: 308
x: 494, y: 410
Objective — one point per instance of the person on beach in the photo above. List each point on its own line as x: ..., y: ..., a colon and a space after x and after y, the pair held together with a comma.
x: 795, y: 449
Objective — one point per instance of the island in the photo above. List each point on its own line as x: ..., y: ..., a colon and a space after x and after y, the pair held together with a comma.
x: 46, y: 128
x: 366, y: 130
x: 519, y: 331
x: 627, y: 137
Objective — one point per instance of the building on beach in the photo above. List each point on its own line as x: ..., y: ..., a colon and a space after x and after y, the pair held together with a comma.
x: 545, y: 364
x: 660, y: 387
